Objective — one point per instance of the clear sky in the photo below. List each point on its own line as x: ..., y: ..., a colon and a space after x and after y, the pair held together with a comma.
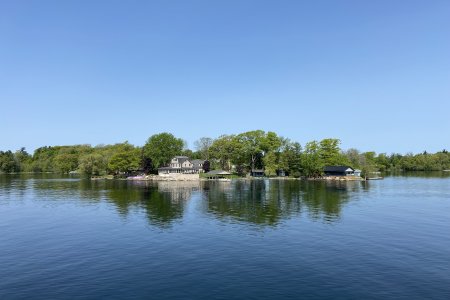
x: 375, y: 74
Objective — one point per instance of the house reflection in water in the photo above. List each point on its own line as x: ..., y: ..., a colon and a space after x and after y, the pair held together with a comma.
x: 163, y: 201
x: 178, y: 191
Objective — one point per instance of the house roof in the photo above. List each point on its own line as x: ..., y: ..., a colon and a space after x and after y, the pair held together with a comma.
x: 197, y: 161
x: 181, y: 159
x: 337, y: 168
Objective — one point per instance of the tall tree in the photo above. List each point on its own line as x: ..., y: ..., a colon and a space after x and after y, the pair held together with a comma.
x: 290, y: 158
x: 271, y: 142
x: 161, y: 148
x: 330, y: 153
x: 23, y: 160
x: 271, y: 163
x: 202, y: 145
x: 312, y: 163
x: 368, y: 163
x: 354, y: 157
x: 8, y: 163
x: 43, y: 159
x: 65, y: 162
x: 126, y: 159
x: 271, y: 146
x: 252, y: 145
x: 92, y: 164
x: 382, y: 160
x: 223, y: 150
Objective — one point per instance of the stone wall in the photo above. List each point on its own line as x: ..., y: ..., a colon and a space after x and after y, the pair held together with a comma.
x: 343, y: 178
x: 177, y: 177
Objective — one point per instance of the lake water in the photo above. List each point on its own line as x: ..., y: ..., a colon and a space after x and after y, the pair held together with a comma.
x: 68, y: 238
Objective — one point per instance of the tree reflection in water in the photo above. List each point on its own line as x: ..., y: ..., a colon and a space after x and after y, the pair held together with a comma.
x: 163, y: 202
x: 268, y: 202
x: 261, y: 202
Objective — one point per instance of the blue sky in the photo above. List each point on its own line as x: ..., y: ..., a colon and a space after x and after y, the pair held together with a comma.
x: 375, y: 74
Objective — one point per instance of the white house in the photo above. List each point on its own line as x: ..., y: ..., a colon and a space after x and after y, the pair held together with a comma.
x: 182, y: 165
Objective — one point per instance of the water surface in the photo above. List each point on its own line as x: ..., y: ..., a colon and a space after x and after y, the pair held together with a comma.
x: 69, y: 238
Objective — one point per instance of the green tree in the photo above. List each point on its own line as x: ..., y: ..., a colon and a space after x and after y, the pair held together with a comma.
x: 43, y: 159
x: 354, y: 157
x: 330, y: 153
x: 382, y: 161
x: 161, y: 148
x: 92, y: 164
x: 271, y: 145
x: 312, y: 163
x: 271, y: 163
x: 65, y: 162
x: 290, y: 158
x: 125, y: 160
x: 223, y: 150
x: 252, y: 146
x: 271, y: 142
x: 23, y: 160
x: 8, y: 163
x: 368, y: 163
x: 395, y: 160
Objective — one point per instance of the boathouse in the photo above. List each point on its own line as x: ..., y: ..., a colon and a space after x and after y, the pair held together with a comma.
x: 339, y: 171
x: 217, y: 174
x: 257, y: 173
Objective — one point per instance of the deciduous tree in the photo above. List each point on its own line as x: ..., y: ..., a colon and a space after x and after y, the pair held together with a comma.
x: 161, y: 148
x: 202, y: 145
x: 92, y: 164
x: 126, y: 159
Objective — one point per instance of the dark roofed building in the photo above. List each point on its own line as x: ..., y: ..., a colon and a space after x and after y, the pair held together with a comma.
x: 257, y: 173
x: 339, y: 171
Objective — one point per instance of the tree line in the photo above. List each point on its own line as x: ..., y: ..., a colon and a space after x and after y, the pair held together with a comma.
x: 239, y: 153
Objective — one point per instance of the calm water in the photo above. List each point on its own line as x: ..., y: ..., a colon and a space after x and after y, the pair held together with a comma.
x: 66, y: 238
